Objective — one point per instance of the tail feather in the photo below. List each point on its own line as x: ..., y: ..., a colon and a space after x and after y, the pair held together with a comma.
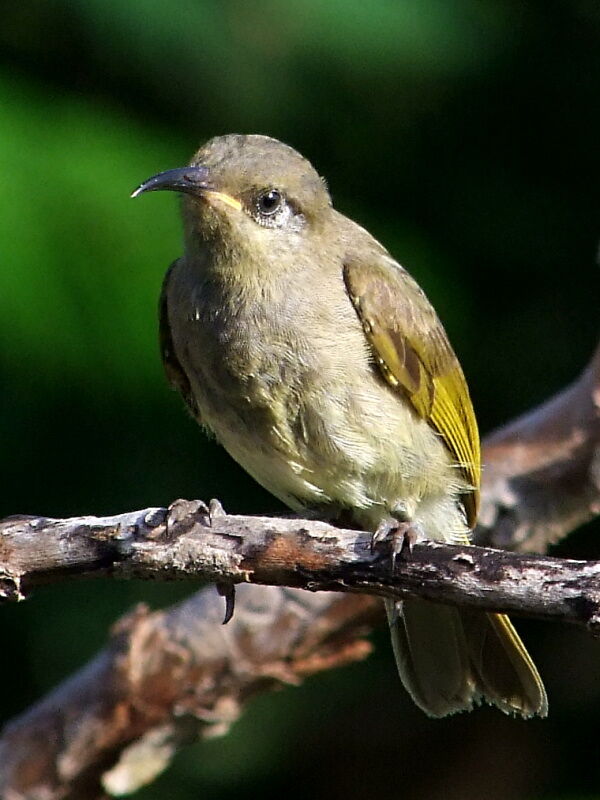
x: 507, y: 675
x: 450, y: 659
x: 432, y: 656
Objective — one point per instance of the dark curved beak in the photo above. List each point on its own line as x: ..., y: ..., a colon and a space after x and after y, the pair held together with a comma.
x: 190, y: 180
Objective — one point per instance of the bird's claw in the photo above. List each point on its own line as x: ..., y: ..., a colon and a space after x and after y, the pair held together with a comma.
x: 215, y: 509
x: 227, y: 590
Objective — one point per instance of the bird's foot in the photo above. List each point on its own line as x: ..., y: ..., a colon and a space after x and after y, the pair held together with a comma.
x: 401, y: 535
x: 225, y: 588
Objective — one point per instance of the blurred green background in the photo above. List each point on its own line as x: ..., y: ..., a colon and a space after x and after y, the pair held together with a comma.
x: 465, y: 135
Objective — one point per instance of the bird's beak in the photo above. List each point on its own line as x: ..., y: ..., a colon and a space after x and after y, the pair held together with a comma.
x: 192, y: 180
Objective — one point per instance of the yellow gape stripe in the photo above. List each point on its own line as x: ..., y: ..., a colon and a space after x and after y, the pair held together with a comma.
x: 223, y: 198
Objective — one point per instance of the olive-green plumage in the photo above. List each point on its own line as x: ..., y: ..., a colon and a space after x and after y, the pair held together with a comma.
x: 322, y: 368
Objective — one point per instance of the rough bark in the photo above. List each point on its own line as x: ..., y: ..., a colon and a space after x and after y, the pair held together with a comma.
x: 166, y: 678
x: 185, y: 541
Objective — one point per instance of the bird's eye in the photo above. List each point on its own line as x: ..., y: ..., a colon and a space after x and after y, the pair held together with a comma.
x: 269, y: 202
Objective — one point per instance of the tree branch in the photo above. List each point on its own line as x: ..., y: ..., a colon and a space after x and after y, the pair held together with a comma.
x: 167, y: 678
x: 541, y: 476
x: 184, y: 541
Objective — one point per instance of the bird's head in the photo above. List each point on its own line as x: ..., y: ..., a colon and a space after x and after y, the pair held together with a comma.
x: 252, y: 188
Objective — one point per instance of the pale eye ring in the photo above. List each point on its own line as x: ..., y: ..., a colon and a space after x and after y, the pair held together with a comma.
x: 269, y: 202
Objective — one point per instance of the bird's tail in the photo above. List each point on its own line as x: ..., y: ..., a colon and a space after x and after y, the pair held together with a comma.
x: 450, y: 659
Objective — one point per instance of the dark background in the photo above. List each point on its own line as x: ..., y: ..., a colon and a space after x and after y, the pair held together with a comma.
x: 464, y: 134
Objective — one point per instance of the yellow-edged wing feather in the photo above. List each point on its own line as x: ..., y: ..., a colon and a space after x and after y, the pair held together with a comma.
x: 415, y: 357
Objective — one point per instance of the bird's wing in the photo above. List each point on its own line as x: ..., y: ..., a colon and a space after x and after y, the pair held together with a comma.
x: 174, y: 371
x: 415, y: 357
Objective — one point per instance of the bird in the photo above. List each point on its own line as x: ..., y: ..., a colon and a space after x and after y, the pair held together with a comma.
x: 322, y: 368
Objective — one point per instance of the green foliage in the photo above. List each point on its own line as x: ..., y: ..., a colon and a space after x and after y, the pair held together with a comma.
x: 82, y: 263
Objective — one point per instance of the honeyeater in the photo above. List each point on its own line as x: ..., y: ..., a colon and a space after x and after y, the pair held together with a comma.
x: 322, y: 368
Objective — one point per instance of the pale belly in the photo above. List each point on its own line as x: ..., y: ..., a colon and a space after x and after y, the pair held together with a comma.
x: 358, y: 447
x: 311, y: 419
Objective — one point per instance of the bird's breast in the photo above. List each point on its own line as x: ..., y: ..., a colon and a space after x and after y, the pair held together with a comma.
x: 287, y: 383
